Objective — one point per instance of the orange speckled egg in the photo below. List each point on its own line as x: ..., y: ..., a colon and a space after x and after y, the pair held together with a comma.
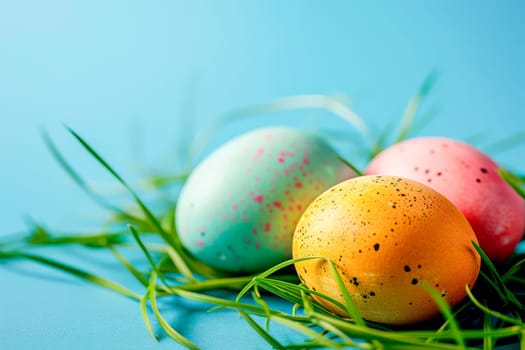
x: 386, y: 236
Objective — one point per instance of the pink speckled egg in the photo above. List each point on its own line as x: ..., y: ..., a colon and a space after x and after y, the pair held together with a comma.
x: 469, y: 179
x: 238, y: 210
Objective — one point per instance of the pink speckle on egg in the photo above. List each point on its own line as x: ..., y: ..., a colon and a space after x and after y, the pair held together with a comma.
x: 267, y: 227
x: 258, y: 199
x: 254, y: 231
x: 201, y: 244
x: 278, y: 204
x: 306, y: 158
x: 235, y: 207
x: 257, y: 245
x: 258, y: 154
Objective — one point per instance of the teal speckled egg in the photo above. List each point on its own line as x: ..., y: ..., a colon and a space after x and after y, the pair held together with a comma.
x: 238, y: 209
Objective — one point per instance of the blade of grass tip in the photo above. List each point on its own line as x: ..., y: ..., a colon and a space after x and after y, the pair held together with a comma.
x: 331, y: 104
x: 413, y: 105
x: 137, y: 199
x: 136, y: 273
x: 446, y: 312
x: 147, y: 254
x: 170, y: 331
x: 492, y: 268
x: 102, y: 282
x: 144, y: 306
x: 261, y: 331
x: 77, y: 179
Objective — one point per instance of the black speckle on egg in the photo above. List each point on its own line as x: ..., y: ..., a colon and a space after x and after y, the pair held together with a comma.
x: 376, y: 247
x: 406, y: 268
x: 483, y: 170
x: 414, y: 281
x: 478, y: 180
x: 372, y: 294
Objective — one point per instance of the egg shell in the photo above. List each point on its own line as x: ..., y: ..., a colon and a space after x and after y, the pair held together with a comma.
x: 387, y: 236
x: 469, y: 179
x: 238, y: 209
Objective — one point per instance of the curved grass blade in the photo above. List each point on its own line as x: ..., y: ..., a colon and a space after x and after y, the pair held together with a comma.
x: 144, y: 306
x: 170, y: 331
x: 490, y: 312
x: 298, y: 102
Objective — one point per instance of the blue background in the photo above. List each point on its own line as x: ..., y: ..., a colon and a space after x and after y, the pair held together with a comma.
x: 138, y: 78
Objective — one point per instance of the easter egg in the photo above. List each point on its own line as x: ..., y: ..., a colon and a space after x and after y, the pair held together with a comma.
x: 469, y: 179
x: 238, y: 209
x: 388, y: 237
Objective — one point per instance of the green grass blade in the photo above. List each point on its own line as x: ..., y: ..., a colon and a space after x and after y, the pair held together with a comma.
x: 261, y: 331
x: 41, y: 236
x: 513, y: 181
x: 490, y: 312
x: 137, y: 199
x: 170, y: 331
x: 447, y: 314
x: 509, y: 296
x: 81, y: 274
x: 139, y: 276
x: 330, y: 104
x: 488, y: 343
x: 147, y: 254
x: 351, y: 166
x: 79, y: 181
x: 350, y: 308
x: 144, y: 306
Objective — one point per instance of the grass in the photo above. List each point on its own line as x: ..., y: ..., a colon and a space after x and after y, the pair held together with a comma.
x: 491, y: 315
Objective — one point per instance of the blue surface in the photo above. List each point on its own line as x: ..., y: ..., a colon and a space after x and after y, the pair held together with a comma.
x: 138, y: 78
